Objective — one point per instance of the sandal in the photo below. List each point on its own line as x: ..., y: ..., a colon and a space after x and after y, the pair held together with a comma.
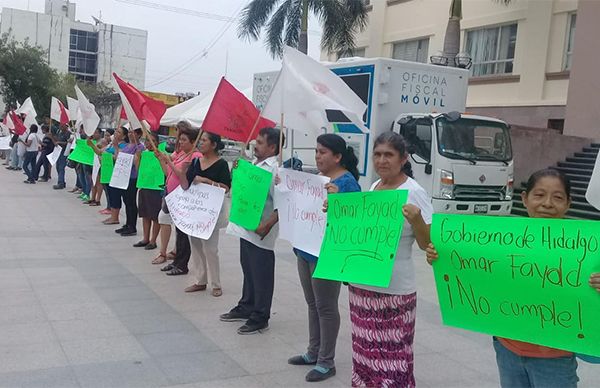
x: 110, y: 222
x: 217, y: 292
x: 171, y: 255
x: 94, y: 203
x: 159, y: 259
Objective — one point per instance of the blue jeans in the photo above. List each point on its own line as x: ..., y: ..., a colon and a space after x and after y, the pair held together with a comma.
x: 61, y: 164
x: 15, y: 160
x: 517, y: 371
x: 29, y: 165
x: 83, y: 181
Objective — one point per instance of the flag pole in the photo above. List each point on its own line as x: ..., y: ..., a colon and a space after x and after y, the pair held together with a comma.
x: 147, y: 133
x: 281, y: 142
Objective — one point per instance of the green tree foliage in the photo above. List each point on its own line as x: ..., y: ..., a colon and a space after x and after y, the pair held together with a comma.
x: 286, y: 22
x: 24, y: 72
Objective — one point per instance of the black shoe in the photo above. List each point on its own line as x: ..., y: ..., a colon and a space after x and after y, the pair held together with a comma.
x: 141, y: 244
x: 233, y: 316
x: 253, y: 327
x: 121, y: 229
x: 43, y: 180
x: 58, y: 187
x: 129, y: 232
x: 177, y: 271
x: 300, y: 360
x: 315, y: 376
x: 150, y: 247
x: 167, y: 267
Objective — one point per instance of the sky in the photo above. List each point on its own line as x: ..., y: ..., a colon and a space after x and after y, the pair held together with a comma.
x: 174, y: 38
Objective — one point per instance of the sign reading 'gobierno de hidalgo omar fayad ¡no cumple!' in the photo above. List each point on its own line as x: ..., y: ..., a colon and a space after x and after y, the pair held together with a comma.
x: 520, y: 278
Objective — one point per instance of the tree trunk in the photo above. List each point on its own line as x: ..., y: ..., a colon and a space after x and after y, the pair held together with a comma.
x: 452, y: 37
x: 303, y: 39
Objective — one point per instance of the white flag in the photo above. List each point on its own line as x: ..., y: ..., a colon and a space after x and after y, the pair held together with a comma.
x: 89, y: 117
x: 304, y: 90
x: 73, y: 105
x: 28, y: 109
x: 592, y: 193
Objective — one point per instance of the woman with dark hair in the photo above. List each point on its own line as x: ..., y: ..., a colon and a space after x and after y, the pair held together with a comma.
x: 114, y: 195
x: 150, y: 201
x: 211, y: 169
x: 338, y: 162
x: 380, y: 313
x: 129, y: 195
x: 175, y: 167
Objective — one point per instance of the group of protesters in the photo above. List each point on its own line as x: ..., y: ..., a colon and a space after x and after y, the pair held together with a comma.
x: 382, y: 318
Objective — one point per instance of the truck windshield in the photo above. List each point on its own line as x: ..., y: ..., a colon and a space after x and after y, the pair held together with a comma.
x: 473, y: 139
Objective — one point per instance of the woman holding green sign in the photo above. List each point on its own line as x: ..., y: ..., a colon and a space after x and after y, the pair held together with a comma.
x: 521, y: 364
x: 337, y: 161
x: 383, y: 319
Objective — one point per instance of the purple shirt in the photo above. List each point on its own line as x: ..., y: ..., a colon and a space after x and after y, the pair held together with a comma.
x: 132, y: 149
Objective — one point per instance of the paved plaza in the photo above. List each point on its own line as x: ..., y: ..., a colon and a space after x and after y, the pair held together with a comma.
x: 79, y: 307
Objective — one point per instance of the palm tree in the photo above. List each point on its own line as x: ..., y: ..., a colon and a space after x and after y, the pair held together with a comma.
x: 452, y: 37
x: 286, y: 23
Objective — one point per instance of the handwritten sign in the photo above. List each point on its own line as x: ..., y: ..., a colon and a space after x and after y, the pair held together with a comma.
x: 107, y: 165
x: 121, y: 171
x: 520, y: 278
x: 95, y: 169
x: 150, y: 174
x: 53, y: 157
x: 82, y: 153
x: 249, y: 190
x: 361, y: 237
x: 195, y: 211
x: 299, y: 201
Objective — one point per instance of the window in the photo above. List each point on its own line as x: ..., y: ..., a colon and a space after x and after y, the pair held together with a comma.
x: 412, y: 50
x: 492, y: 49
x: 82, y: 63
x: 418, y: 136
x: 570, y: 41
x: 358, y: 52
x: 84, y: 41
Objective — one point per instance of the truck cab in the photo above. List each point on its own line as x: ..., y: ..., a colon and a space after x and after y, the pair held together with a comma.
x: 463, y: 161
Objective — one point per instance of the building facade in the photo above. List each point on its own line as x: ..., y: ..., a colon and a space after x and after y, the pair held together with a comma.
x: 522, y: 53
x: 92, y: 52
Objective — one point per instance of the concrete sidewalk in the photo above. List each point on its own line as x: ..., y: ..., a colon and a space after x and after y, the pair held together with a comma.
x: 79, y: 307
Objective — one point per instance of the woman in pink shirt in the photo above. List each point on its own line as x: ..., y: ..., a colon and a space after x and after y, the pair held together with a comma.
x: 175, y: 168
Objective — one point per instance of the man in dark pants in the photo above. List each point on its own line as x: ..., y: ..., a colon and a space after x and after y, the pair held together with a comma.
x: 257, y: 255
x: 47, y: 148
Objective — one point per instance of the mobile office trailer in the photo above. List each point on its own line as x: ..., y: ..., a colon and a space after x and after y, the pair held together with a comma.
x: 464, y: 162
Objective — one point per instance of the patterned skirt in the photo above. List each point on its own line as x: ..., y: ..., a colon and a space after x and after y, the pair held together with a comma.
x: 383, y: 328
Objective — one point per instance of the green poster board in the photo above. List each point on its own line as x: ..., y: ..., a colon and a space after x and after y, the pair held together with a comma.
x: 520, y: 278
x: 150, y: 173
x: 107, y: 164
x: 361, y: 237
x: 162, y: 147
x: 82, y: 153
x: 249, y: 190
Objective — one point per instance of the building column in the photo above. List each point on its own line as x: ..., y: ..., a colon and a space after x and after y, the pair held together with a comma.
x: 583, y: 107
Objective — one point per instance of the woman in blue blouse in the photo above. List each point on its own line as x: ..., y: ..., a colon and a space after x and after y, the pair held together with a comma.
x: 337, y: 161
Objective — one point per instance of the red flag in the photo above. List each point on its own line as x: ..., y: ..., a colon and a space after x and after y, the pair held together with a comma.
x: 138, y: 106
x: 232, y: 115
x: 19, y: 126
x: 123, y: 115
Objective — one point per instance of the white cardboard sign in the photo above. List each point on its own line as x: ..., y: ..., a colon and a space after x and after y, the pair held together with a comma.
x: 122, y: 171
x: 195, y: 211
x: 299, y: 198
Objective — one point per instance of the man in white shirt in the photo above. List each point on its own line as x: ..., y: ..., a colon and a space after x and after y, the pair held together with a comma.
x: 257, y: 255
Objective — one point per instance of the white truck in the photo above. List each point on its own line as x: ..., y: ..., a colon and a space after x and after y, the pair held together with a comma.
x: 463, y: 161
